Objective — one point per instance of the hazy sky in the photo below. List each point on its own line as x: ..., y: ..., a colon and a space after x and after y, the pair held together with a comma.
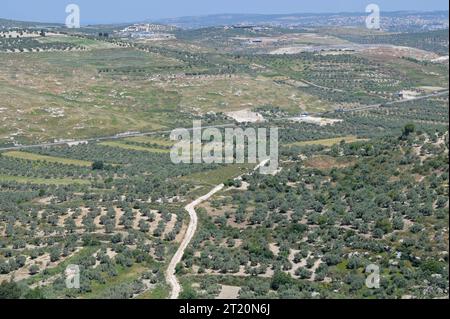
x: 105, y: 11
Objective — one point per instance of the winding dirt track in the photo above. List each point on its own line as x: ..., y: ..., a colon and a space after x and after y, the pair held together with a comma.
x: 171, y: 278
x: 170, y: 272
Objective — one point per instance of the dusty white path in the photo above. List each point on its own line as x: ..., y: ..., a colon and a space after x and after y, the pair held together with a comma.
x: 171, y: 278
x: 170, y: 272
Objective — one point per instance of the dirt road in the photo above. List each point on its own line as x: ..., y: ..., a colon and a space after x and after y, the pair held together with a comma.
x: 171, y: 278
x: 170, y: 272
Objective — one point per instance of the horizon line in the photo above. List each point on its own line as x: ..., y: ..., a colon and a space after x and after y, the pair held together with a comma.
x: 156, y: 20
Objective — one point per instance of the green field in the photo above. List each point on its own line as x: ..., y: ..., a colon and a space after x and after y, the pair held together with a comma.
x: 151, y: 141
x: 134, y: 147
x: 50, y: 159
x: 219, y: 175
x: 328, y: 141
x: 159, y: 292
x: 42, y: 181
x: 124, y: 276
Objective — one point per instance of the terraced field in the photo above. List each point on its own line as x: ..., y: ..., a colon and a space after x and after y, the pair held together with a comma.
x: 50, y: 159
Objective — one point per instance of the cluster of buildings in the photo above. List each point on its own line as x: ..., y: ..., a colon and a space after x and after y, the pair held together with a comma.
x: 148, y: 31
x: 255, y: 28
x: 148, y: 27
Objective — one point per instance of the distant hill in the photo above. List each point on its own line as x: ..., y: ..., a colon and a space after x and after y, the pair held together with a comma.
x: 90, y: 29
x: 6, y: 24
x: 402, y: 20
x: 434, y: 41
